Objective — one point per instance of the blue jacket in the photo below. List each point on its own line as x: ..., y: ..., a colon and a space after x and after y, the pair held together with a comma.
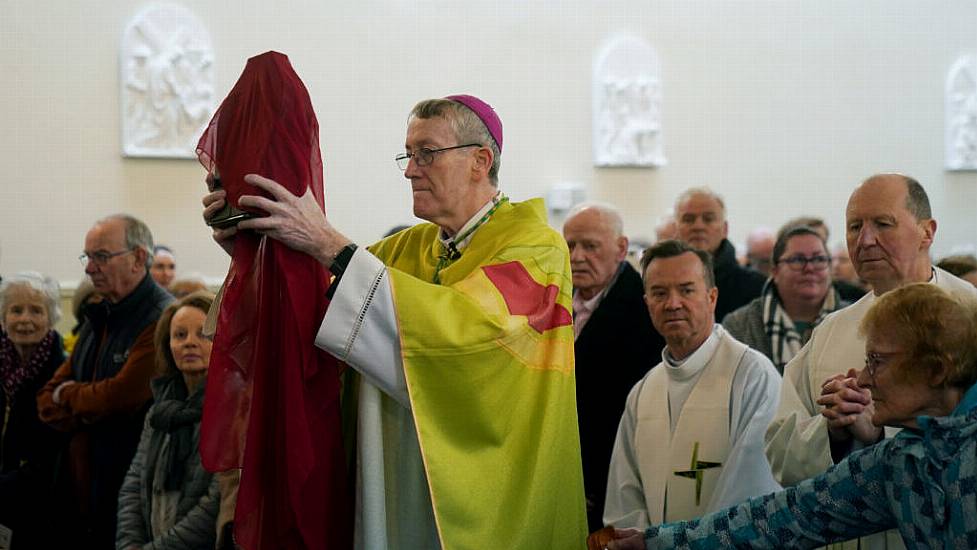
x: 922, y: 482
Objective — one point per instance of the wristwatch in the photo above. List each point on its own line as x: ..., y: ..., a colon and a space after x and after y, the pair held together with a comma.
x: 339, y: 265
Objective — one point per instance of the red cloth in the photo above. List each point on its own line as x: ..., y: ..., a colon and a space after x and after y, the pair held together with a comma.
x: 272, y: 405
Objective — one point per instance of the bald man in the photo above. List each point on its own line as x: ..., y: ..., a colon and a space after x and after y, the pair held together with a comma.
x: 610, y: 321
x: 823, y: 414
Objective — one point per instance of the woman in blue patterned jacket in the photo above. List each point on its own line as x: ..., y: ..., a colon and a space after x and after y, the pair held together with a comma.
x: 920, y: 370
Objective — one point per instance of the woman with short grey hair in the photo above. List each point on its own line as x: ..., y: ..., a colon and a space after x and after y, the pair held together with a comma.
x: 30, y: 352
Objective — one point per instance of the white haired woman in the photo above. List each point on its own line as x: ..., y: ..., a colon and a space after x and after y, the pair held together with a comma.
x: 168, y: 500
x: 920, y: 373
x: 30, y: 352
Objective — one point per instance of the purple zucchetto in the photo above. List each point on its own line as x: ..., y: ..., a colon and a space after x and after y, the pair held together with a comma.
x: 485, y: 113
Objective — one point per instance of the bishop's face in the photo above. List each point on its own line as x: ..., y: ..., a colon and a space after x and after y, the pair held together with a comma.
x: 442, y: 189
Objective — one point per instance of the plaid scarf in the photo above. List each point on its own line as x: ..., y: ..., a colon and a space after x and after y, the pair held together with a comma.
x: 785, y: 341
x: 13, y: 371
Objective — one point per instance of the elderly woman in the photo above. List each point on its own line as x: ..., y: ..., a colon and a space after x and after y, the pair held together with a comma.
x: 796, y: 297
x: 920, y: 369
x: 30, y: 352
x: 167, y: 499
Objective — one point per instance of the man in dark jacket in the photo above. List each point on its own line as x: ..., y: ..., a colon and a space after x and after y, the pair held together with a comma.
x: 615, y: 342
x: 701, y: 217
x: 101, y: 393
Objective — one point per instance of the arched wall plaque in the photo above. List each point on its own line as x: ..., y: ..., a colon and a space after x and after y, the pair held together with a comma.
x: 167, y: 80
x: 961, y: 114
x: 627, y: 92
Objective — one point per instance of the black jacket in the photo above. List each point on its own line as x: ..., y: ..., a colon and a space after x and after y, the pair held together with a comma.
x: 737, y: 285
x: 29, y: 451
x: 617, y: 346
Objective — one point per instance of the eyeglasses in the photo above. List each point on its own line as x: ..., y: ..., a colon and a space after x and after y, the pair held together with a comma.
x: 798, y: 263
x: 875, y: 361
x: 425, y: 156
x: 100, y: 258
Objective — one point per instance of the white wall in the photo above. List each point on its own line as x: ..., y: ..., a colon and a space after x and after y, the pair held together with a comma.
x: 782, y: 106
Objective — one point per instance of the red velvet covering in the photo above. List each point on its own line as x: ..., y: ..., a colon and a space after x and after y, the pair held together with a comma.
x: 272, y: 405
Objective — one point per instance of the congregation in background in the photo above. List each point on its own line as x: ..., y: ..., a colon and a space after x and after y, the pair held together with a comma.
x: 504, y: 384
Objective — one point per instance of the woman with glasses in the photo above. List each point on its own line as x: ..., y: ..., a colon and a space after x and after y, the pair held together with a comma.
x: 796, y: 297
x: 920, y: 369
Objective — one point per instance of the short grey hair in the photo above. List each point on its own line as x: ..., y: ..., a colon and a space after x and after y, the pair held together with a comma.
x: 468, y: 128
x: 608, y: 212
x: 693, y: 191
x: 917, y: 201
x: 46, y: 285
x: 137, y: 235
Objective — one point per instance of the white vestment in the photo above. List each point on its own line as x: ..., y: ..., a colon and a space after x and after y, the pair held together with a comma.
x: 797, y: 440
x: 393, y: 499
x: 749, y: 390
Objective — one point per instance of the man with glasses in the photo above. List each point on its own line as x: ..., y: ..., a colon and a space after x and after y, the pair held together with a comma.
x: 101, y: 393
x: 461, y: 332
x: 796, y: 297
x: 824, y: 414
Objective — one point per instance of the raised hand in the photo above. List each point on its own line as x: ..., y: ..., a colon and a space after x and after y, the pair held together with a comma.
x: 296, y: 222
x: 213, y: 203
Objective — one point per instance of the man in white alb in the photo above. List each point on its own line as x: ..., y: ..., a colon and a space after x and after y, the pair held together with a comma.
x: 823, y: 414
x: 691, y: 437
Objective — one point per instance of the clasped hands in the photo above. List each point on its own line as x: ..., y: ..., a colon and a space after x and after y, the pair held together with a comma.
x: 848, y: 409
x: 296, y: 222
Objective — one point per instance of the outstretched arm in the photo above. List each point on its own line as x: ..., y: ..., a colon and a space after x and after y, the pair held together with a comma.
x: 845, y: 502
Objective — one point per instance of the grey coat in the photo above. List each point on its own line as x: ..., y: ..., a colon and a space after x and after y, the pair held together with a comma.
x: 199, y: 499
x: 746, y: 325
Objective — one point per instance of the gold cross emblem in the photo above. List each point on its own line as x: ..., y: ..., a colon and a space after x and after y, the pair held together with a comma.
x: 696, y: 470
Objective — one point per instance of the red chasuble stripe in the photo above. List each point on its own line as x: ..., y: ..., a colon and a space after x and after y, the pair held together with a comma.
x: 524, y: 296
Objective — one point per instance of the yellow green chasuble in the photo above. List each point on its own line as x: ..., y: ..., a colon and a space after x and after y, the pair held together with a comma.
x: 488, y: 361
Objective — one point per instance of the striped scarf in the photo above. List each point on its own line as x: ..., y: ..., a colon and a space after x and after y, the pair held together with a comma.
x: 785, y: 341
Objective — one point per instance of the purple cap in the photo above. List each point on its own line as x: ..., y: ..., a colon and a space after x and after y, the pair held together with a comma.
x: 485, y: 112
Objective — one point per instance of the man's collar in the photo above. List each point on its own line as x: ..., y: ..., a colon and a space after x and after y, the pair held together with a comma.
x: 137, y: 294
x: 701, y: 355
x: 466, y: 232
x: 603, y: 292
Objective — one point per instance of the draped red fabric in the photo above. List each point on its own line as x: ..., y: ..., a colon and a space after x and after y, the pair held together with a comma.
x: 272, y: 405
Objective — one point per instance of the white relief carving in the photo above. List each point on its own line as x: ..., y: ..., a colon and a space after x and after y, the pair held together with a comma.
x: 627, y: 92
x: 167, y: 78
x: 961, y: 114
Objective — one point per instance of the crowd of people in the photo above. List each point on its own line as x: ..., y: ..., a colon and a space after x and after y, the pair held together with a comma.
x: 512, y: 387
